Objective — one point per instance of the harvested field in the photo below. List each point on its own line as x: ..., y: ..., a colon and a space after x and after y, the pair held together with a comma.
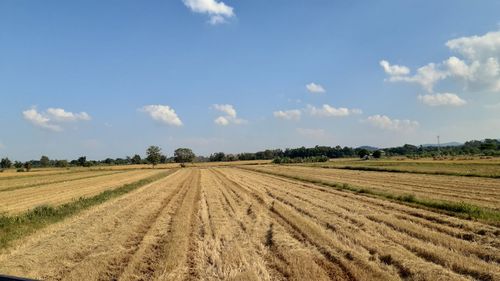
x: 7, y: 184
x: 479, y: 191
x: 475, y: 167
x: 11, y: 173
x: 234, y: 224
x: 16, y: 200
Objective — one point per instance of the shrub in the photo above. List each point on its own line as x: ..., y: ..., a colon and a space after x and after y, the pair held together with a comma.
x: 287, y: 160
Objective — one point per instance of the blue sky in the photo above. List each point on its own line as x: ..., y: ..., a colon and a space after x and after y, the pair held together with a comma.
x: 108, y: 78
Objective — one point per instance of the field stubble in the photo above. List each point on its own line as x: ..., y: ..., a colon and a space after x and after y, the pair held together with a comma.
x: 232, y: 224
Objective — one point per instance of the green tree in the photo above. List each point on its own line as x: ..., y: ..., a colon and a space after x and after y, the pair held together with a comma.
x: 82, y: 161
x: 18, y: 164
x: 163, y: 159
x: 5, y: 163
x: 183, y: 155
x: 377, y: 154
x: 27, y: 166
x: 153, y: 155
x: 363, y: 152
x: 217, y: 157
x: 61, y: 163
x: 136, y: 159
x: 44, y: 161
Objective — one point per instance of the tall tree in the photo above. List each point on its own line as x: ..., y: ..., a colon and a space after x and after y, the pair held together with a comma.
x: 183, y: 155
x: 153, y: 155
x: 136, y: 159
x: 82, y: 161
x: 5, y: 163
x: 44, y: 161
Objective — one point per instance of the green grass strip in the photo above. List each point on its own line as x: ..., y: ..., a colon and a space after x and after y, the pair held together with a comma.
x: 17, y: 226
x: 392, y: 170
x: 459, y: 209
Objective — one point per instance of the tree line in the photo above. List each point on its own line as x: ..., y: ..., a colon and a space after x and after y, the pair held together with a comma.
x: 154, y: 155
x: 487, y: 147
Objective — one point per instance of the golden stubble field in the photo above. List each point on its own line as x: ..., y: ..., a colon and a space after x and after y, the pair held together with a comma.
x: 226, y: 223
x: 20, y: 194
x: 476, y: 190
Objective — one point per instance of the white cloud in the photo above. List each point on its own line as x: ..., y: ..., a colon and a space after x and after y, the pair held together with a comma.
x: 459, y: 68
x: 479, y: 66
x: 312, y: 133
x: 394, y: 70
x: 218, y: 11
x: 163, y: 113
x: 226, y: 108
x: 2, y: 146
x: 37, y: 119
x: 52, y: 118
x: 222, y: 121
x: 230, y: 116
x: 293, y: 114
x: 444, y: 99
x: 427, y: 76
x: 386, y: 123
x: 477, y: 47
x: 315, y: 88
x: 61, y: 115
x: 330, y: 111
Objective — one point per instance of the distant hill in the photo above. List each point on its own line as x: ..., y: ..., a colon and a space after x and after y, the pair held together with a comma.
x: 453, y: 143
x: 369, y: 148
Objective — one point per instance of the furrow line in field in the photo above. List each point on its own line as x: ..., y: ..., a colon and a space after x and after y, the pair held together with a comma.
x: 178, y: 247
x: 473, y: 267
x: 420, y: 212
x: 144, y: 237
x: 341, y: 267
x: 268, y: 238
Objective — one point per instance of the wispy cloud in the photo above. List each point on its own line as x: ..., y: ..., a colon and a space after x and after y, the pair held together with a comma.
x: 229, y: 117
x: 218, y: 11
x: 62, y: 115
x: 385, y: 123
x: 293, y: 114
x: 163, y: 114
x: 315, y: 88
x: 444, y: 99
x: 477, y: 69
x: 394, y: 70
x: 53, y: 118
x: 330, y: 111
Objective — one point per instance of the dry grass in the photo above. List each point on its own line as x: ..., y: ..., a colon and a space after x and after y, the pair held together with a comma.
x: 473, y: 167
x: 482, y: 192
x: 23, y: 199
x: 223, y: 223
x: 8, y: 184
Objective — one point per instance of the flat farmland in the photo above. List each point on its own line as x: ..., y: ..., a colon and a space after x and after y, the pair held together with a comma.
x: 473, y: 167
x: 20, y: 194
x: 479, y: 191
x: 225, y: 223
x: 19, y: 182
